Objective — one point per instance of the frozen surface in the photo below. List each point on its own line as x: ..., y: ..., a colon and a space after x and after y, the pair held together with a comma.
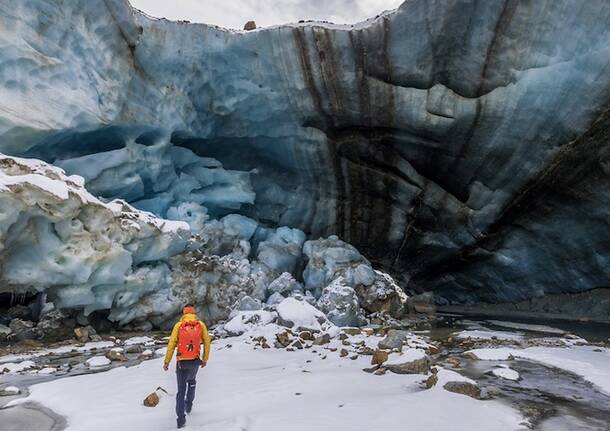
x: 484, y: 334
x: 334, y: 394
x: 591, y: 363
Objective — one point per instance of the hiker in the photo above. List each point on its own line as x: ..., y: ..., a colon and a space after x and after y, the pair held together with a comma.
x: 187, y: 336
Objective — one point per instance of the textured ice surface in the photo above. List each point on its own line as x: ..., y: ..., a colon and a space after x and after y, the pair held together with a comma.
x: 464, y: 171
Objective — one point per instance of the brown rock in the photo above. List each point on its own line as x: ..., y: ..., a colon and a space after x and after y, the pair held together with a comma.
x: 307, y: 336
x: 250, y: 25
x: 454, y: 362
x: 151, y: 400
x: 346, y: 343
x: 352, y: 331
x: 431, y: 381
x: 379, y: 357
x: 464, y: 388
x: 82, y: 334
x: 418, y: 366
x: 343, y: 353
x: 322, y: 339
x: 283, y: 338
x: 116, y: 356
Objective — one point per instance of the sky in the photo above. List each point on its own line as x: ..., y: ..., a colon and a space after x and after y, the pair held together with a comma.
x: 235, y: 13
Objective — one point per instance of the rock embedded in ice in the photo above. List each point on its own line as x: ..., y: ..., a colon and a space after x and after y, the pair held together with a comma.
x: 382, y: 294
x: 275, y: 298
x: 340, y: 304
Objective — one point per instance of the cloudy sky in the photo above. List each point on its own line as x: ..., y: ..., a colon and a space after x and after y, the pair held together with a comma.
x: 235, y: 13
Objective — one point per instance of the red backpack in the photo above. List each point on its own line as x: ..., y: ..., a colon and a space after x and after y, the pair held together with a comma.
x: 189, y: 340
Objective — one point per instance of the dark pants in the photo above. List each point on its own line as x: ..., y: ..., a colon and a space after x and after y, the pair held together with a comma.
x: 186, y: 371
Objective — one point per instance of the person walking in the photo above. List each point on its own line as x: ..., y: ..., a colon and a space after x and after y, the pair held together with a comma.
x: 187, y: 337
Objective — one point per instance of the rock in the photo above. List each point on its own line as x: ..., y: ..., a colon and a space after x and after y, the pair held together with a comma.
x: 284, y: 338
x: 250, y: 25
x: 19, y: 312
x: 82, y: 334
x: 321, y: 340
x: 464, y: 388
x: 297, y: 313
x: 383, y: 295
x: 297, y: 345
x: 366, y: 350
x: 380, y: 372
x: 116, y: 356
x: 379, y: 357
x: 393, y: 340
x: 22, y: 329
x: 418, y: 366
x: 284, y: 285
x: 152, y: 400
x: 134, y: 348
x: 346, y: 343
x: 5, y: 333
x: 431, y: 381
x: 352, y: 331
x: 343, y: 353
x: 454, y: 362
x: 354, y: 357
x: 306, y: 335
x: 54, y: 325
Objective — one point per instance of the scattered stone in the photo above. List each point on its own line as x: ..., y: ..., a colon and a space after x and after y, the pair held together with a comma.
x: 368, y: 331
x: 454, y: 362
x: 22, y: 329
x: 393, y: 340
x: 343, y: 337
x: 250, y: 25
x: 418, y: 366
x: 464, y: 388
x: 284, y: 338
x: 134, y: 348
x: 353, y: 357
x: 343, y: 353
x: 116, y: 356
x: 366, y: 350
x: 432, y: 350
x: 81, y: 334
x: 152, y: 400
x: 352, y: 331
x: 379, y: 357
x: 297, y: 344
x: 380, y: 372
x: 307, y: 336
x: 321, y: 340
x: 346, y: 343
x: 431, y: 381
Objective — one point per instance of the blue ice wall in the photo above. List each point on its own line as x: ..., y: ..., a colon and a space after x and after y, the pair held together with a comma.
x: 460, y: 145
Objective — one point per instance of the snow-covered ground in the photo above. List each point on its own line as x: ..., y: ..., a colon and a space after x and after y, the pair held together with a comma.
x: 248, y: 388
x: 590, y: 362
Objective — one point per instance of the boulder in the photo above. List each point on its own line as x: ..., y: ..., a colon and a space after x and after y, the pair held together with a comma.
x: 5, y: 333
x: 22, y: 329
x: 464, y: 388
x: 432, y: 380
x: 417, y: 366
x: 321, y: 340
x: 285, y: 284
x: 81, y: 334
x: 247, y: 303
x: 250, y: 25
x: 394, y: 339
x: 379, y: 357
x: 383, y: 295
x: 295, y: 313
x: 54, y: 325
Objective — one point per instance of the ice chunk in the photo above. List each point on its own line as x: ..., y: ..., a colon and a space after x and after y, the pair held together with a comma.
x: 340, y: 304
x: 298, y: 313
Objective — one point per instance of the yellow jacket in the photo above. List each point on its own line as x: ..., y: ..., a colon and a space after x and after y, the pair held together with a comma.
x: 173, y: 339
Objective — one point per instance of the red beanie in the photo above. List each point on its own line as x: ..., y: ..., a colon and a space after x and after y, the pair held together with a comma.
x: 188, y: 310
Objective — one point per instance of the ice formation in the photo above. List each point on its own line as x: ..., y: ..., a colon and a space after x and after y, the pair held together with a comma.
x: 458, y: 152
x: 90, y: 255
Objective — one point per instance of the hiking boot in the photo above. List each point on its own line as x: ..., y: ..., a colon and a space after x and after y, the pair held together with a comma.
x: 180, y: 422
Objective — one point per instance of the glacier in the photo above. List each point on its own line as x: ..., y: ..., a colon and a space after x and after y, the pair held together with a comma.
x: 459, y: 146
